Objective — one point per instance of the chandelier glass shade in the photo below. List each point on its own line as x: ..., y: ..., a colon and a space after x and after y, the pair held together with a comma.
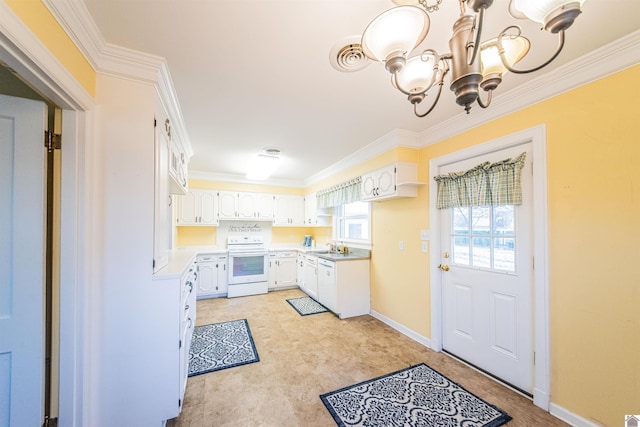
x: 417, y: 76
x: 546, y: 12
x: 408, y: 25
x: 392, y: 36
x: 514, y: 47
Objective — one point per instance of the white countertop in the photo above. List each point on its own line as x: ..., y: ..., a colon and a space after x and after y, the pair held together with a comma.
x: 179, y: 260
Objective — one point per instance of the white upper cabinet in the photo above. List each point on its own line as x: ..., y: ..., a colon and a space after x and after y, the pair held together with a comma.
x: 162, y: 198
x: 313, y: 215
x: 395, y: 180
x: 198, y: 207
x: 177, y: 165
x: 227, y: 205
x: 256, y: 206
x: 242, y: 206
x: 289, y: 211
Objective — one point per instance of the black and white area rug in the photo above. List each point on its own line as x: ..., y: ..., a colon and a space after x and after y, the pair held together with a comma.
x: 220, y: 346
x: 415, y: 396
x: 307, y: 305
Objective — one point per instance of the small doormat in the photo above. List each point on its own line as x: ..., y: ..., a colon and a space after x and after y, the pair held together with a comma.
x: 306, y: 306
x: 220, y: 346
x: 415, y: 396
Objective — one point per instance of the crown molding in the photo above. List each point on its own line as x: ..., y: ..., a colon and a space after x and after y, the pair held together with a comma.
x: 609, y: 59
x: 106, y: 58
x: 31, y: 59
x: 395, y: 138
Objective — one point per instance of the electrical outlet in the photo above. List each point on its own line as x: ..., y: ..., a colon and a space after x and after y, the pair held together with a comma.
x: 424, y: 235
x: 401, y: 245
x: 425, y: 247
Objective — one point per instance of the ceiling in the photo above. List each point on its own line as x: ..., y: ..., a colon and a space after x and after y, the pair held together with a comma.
x: 256, y: 73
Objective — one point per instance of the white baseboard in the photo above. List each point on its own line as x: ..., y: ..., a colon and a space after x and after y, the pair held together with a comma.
x: 543, y: 399
x: 402, y: 329
x: 571, y: 418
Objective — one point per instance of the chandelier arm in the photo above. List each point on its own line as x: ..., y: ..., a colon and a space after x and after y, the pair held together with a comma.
x: 478, y: 31
x: 489, y: 97
x: 435, y: 102
x: 531, y: 70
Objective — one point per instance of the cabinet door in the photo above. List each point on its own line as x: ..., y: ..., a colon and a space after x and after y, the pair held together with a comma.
x: 282, y: 213
x: 162, y: 205
x: 187, y: 212
x: 287, y: 272
x: 386, y: 181
x: 264, y: 206
x: 247, y: 206
x: 368, y: 186
x: 296, y: 212
x: 300, y: 265
x: 227, y: 205
x: 311, y: 209
x: 223, y: 275
x: 273, y: 270
x: 207, y: 278
x: 208, y: 204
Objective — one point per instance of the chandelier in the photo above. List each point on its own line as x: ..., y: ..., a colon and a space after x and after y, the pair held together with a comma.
x: 473, y: 64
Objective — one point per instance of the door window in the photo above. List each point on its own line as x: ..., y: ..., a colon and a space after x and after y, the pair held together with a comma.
x: 484, y: 237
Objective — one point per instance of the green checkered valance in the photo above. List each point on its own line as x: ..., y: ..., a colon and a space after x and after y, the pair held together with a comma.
x: 340, y: 194
x: 487, y: 184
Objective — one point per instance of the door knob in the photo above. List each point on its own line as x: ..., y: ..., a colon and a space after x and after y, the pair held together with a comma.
x: 444, y: 267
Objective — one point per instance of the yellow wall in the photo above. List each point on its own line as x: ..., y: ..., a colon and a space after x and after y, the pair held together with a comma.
x: 38, y: 18
x: 593, y: 155
x: 593, y: 173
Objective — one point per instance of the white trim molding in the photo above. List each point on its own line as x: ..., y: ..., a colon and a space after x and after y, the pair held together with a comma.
x: 402, y: 329
x: 609, y: 59
x: 537, y: 137
x: 108, y: 58
x: 23, y: 52
x: 571, y: 418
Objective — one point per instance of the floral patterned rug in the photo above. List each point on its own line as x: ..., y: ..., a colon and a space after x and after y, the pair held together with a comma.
x: 415, y: 396
x: 220, y: 346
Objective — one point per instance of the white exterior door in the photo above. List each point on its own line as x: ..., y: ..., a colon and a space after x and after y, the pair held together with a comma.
x: 22, y: 219
x: 488, y: 286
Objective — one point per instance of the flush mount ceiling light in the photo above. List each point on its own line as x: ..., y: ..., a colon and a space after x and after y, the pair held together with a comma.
x: 393, y: 35
x: 264, y: 164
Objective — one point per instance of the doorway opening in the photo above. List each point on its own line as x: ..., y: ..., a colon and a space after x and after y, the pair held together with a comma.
x: 12, y: 85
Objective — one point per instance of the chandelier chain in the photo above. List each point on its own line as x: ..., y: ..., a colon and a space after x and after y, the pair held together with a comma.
x: 430, y: 8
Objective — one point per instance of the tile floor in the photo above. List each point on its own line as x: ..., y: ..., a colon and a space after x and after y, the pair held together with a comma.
x: 302, y: 357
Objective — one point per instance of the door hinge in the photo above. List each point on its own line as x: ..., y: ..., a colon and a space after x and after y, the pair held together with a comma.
x: 52, y: 141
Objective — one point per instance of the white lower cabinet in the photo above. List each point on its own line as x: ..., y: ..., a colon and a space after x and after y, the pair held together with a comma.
x: 189, y: 282
x: 343, y: 286
x: 212, y: 275
x: 300, y: 267
x: 169, y: 341
x: 283, y: 270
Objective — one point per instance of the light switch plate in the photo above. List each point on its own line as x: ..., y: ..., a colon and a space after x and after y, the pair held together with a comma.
x: 424, y: 235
